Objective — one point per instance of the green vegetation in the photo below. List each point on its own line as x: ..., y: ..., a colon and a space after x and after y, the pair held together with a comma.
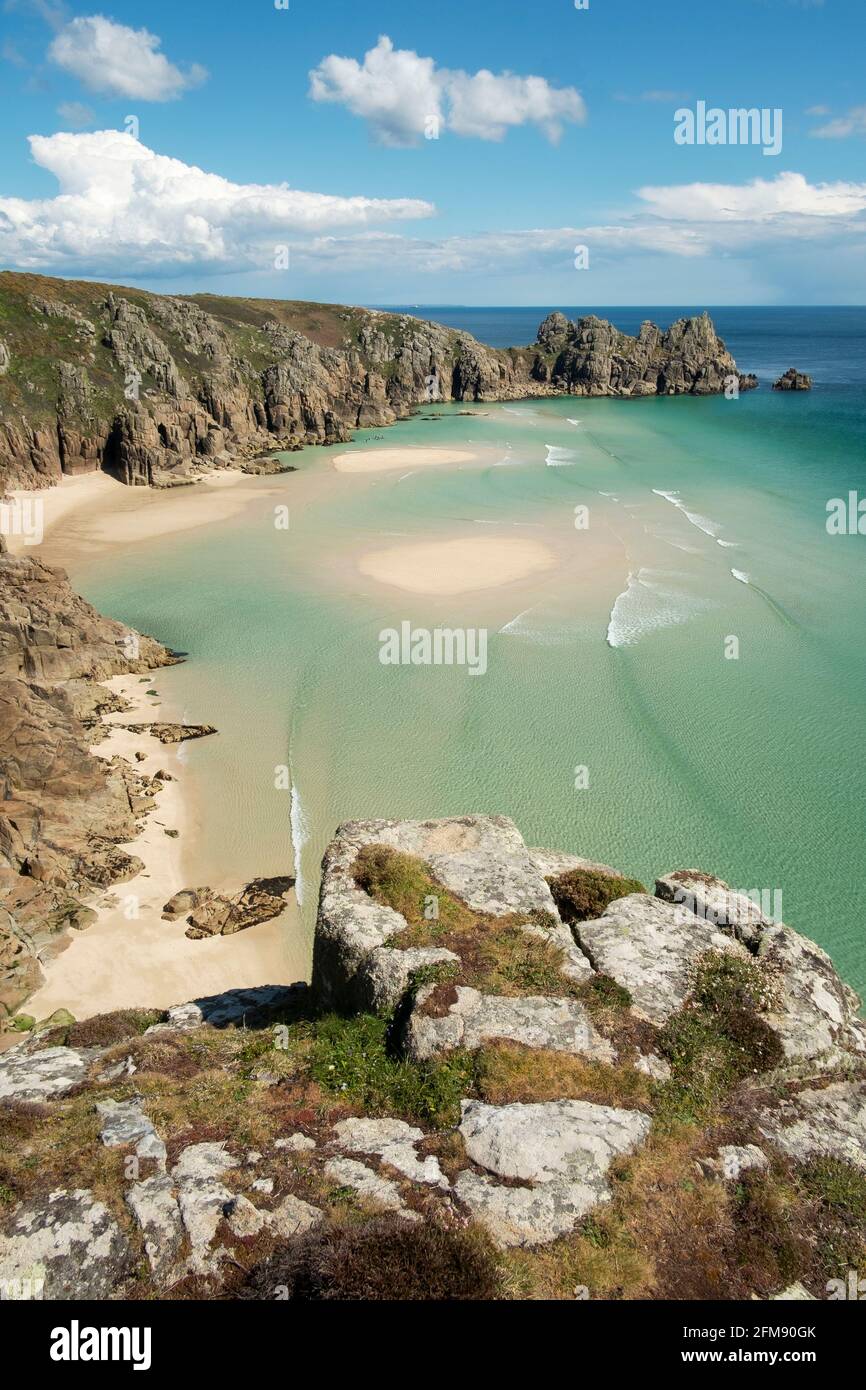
x: 718, y: 1039
x: 837, y: 1185
x: 497, y: 954
x: 580, y: 894
x: 350, y: 1058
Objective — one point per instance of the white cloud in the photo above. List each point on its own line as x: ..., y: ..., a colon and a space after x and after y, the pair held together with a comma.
x: 787, y: 195
x: 124, y: 210
x: 403, y: 95
x: 854, y: 123
x: 123, y: 207
x: 120, y: 61
x: 817, y: 110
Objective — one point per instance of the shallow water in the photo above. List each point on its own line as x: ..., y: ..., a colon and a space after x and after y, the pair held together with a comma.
x: 709, y: 521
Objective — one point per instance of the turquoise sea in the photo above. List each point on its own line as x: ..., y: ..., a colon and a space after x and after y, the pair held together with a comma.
x: 708, y: 520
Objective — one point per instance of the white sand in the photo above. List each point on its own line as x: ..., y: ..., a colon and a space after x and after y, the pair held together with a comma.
x: 57, y: 503
x: 101, y: 512
x: 457, y: 566
x: 388, y: 460
x: 130, y: 957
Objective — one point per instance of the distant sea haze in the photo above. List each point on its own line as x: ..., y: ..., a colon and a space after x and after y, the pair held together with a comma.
x: 829, y: 343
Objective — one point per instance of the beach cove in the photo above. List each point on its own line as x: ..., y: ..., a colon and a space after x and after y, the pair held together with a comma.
x: 609, y: 714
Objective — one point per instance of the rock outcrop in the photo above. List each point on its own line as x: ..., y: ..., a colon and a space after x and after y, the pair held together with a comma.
x: 792, y: 380
x: 213, y: 914
x: 620, y: 1119
x: 156, y: 389
x: 63, y: 812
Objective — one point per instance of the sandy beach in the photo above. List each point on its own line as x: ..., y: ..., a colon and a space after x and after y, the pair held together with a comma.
x: 130, y: 957
x: 389, y: 460
x: 457, y: 566
x: 95, y: 510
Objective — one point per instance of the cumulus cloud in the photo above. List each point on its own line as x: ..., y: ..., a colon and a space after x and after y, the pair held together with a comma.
x: 122, y: 207
x: 119, y: 61
x: 404, y: 96
x: 854, y: 123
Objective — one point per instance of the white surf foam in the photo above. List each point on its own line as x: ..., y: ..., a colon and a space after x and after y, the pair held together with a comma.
x: 559, y: 458
x: 703, y: 523
x: 300, y: 835
x: 649, y: 603
x: 742, y: 576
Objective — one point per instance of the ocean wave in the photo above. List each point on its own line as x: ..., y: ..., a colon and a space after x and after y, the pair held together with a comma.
x: 703, y: 523
x: 742, y: 576
x: 300, y: 835
x: 559, y: 458
x: 648, y: 604
x: 542, y: 636
x: 572, y: 422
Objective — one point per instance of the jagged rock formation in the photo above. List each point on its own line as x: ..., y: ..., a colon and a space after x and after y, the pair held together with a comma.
x: 63, y: 812
x: 214, y: 914
x: 792, y: 380
x: 592, y: 358
x: 155, y: 388
x: 556, y: 1135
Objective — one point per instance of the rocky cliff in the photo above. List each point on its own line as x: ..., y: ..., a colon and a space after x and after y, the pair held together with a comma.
x: 153, y: 388
x: 63, y: 812
x: 517, y: 1074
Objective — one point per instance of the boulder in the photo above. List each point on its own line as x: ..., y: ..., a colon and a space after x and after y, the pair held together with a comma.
x: 711, y: 899
x: 66, y: 1246
x: 41, y: 1075
x: 473, y: 1019
x: 370, y: 1186
x: 394, y: 1143
x: 214, y: 914
x: 651, y: 947
x: 820, y: 1121
x: 124, y: 1123
x: 562, y: 1149
x: 357, y: 961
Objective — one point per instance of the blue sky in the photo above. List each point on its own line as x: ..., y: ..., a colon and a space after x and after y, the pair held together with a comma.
x: 239, y: 162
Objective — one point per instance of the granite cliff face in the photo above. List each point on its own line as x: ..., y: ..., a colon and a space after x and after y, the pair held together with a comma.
x: 152, y: 388
x: 63, y: 811
x: 517, y: 1075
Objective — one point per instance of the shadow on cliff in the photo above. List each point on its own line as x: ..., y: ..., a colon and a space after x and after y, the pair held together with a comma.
x: 260, y: 1007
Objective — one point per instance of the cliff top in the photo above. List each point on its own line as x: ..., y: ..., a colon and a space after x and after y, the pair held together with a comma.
x: 517, y: 1075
